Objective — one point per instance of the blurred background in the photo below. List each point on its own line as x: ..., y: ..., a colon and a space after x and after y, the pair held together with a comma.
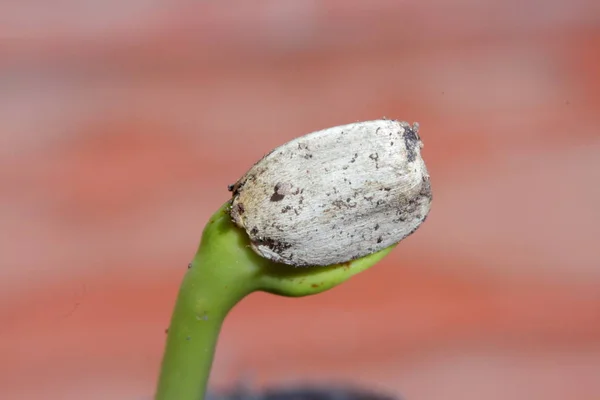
x: 122, y: 123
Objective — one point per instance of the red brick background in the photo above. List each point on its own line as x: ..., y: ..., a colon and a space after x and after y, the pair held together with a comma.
x: 122, y: 123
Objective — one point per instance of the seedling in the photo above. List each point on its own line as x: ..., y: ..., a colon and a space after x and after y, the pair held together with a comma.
x: 308, y: 216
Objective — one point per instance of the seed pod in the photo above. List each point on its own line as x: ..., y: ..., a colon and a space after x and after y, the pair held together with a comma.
x: 335, y: 195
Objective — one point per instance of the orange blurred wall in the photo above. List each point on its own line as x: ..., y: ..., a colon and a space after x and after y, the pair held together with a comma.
x: 121, y: 125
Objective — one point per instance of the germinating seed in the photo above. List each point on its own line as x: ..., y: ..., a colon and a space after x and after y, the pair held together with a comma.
x: 335, y: 195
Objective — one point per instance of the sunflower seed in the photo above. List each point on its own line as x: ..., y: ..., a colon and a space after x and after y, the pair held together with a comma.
x: 335, y: 195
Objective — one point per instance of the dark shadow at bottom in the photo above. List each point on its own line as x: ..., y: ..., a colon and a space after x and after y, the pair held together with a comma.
x: 302, y: 392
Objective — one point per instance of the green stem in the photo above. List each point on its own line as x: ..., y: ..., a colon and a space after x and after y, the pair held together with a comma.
x: 219, y: 277
x: 223, y: 272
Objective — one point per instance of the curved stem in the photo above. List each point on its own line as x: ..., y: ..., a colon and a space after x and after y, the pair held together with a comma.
x: 223, y: 272
x: 219, y: 277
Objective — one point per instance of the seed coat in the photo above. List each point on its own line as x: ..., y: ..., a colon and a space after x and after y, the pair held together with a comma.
x: 335, y: 195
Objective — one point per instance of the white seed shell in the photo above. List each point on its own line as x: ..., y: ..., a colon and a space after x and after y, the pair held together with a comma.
x: 335, y: 195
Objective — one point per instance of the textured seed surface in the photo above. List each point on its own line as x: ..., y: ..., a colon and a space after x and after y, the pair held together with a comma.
x: 335, y: 195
